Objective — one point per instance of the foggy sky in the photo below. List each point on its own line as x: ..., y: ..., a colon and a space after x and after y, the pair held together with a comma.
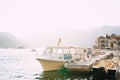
x: 25, y: 18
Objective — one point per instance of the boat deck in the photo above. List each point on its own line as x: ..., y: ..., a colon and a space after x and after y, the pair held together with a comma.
x: 108, y: 64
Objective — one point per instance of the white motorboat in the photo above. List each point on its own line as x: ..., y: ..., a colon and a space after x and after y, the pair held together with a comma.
x: 54, y: 58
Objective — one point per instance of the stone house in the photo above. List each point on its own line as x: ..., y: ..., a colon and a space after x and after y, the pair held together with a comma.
x: 110, y: 42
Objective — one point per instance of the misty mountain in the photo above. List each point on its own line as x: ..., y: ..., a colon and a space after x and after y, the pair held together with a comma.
x: 72, y: 38
x: 102, y: 31
x: 7, y: 40
x: 107, y: 30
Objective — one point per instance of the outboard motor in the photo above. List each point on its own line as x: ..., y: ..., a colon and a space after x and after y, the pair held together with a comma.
x: 117, y: 74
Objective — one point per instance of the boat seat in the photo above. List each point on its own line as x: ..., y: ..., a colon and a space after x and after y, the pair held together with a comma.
x: 102, y: 63
x: 116, y: 59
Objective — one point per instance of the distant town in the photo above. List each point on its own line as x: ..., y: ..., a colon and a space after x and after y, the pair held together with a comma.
x: 108, y: 42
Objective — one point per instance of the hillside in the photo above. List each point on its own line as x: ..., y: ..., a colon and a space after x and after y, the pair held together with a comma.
x: 75, y: 37
x: 7, y: 40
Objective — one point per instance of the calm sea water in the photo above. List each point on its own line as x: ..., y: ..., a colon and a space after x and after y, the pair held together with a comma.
x: 21, y: 64
x: 18, y: 64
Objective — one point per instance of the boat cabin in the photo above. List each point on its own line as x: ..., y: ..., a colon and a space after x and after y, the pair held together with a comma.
x: 61, y: 53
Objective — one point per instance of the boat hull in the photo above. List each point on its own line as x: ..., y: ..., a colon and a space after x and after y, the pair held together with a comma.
x: 50, y: 65
x: 80, y: 65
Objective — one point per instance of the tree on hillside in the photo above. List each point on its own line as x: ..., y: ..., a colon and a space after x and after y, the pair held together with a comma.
x: 118, y: 44
x: 111, y: 44
x: 107, y: 36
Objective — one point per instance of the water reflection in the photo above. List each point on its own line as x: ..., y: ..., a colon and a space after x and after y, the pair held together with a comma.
x: 64, y: 75
x: 72, y: 75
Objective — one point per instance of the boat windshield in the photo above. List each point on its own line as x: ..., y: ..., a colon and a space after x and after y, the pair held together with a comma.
x: 62, y: 51
x: 48, y: 51
x: 57, y: 51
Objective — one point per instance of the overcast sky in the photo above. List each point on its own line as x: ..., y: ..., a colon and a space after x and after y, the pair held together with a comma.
x: 24, y: 18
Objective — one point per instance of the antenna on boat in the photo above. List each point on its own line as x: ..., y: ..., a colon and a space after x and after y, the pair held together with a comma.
x: 59, y: 41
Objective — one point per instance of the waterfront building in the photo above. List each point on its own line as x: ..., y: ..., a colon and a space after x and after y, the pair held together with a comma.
x: 108, y: 42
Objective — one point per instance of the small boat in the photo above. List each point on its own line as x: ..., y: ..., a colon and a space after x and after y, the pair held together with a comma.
x: 107, y: 66
x: 54, y: 58
x: 33, y: 50
x: 82, y: 65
